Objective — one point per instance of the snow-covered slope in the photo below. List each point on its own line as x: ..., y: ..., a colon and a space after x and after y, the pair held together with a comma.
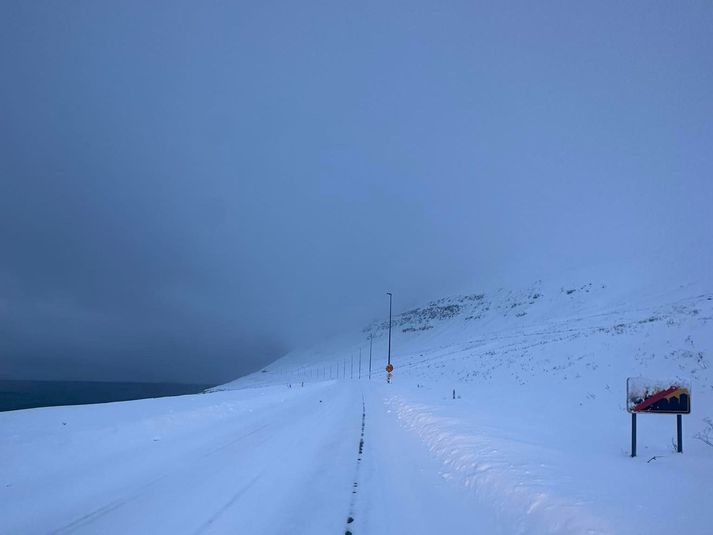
x: 578, y: 337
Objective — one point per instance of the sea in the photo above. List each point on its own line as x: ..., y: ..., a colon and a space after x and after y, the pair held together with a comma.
x: 16, y: 395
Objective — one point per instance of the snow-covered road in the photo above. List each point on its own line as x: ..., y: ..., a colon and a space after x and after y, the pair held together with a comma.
x: 257, y: 461
x: 283, y: 459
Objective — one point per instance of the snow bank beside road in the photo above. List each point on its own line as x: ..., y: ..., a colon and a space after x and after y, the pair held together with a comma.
x: 559, y: 478
x: 503, y: 474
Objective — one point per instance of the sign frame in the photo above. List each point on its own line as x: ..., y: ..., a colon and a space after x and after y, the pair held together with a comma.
x: 646, y: 396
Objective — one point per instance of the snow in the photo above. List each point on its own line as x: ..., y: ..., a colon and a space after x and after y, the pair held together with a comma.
x: 193, y: 464
x: 561, y: 471
x: 535, y: 441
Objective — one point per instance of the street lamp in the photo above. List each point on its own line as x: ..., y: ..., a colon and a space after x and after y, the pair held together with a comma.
x: 389, y: 357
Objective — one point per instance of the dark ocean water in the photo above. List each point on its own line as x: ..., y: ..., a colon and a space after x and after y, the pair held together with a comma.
x: 29, y: 394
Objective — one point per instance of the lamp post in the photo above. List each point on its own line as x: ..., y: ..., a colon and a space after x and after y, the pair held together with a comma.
x: 389, y: 357
x: 359, y: 363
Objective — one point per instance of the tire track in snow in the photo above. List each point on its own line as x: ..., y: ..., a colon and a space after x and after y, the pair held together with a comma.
x: 350, y: 517
x: 107, y: 508
x: 228, y: 504
x: 236, y: 440
x: 113, y: 505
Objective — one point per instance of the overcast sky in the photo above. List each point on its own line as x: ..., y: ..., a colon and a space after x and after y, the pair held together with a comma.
x: 187, y: 190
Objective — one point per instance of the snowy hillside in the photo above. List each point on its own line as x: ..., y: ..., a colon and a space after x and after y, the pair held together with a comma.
x: 507, y: 414
x: 579, y: 336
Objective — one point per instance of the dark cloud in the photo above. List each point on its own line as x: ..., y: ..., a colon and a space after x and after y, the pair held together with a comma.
x: 188, y: 191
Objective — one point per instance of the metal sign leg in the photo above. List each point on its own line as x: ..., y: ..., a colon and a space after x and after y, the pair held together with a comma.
x: 633, y: 434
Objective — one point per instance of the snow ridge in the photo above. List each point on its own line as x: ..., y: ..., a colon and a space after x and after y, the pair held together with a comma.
x: 498, y: 475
